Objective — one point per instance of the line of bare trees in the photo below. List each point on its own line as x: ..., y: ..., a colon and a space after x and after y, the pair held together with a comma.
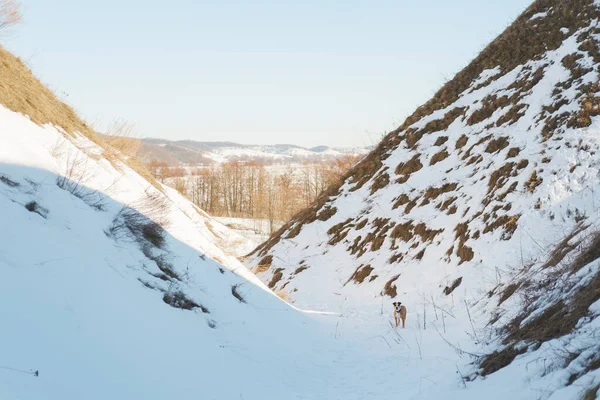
x: 252, y: 189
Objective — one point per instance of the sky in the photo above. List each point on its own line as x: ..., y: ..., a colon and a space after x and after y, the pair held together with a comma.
x: 312, y: 72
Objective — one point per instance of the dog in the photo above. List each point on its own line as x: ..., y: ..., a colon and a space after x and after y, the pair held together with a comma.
x: 399, y: 313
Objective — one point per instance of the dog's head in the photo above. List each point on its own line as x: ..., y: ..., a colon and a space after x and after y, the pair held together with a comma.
x: 397, y: 305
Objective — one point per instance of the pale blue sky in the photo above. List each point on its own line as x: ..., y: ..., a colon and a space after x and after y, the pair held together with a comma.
x: 304, y: 72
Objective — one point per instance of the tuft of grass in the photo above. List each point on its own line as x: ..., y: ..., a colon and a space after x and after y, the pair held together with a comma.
x: 451, y: 288
x: 236, y: 293
x: 589, y: 254
x: 178, y: 299
x: 390, y: 289
x: 34, y: 207
x: 360, y: 274
x: 277, y: 275
x: 499, y: 359
x: 591, y: 393
x: 9, y: 182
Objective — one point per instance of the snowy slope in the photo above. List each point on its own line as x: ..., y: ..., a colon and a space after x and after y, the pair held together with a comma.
x: 116, y: 287
x: 100, y: 311
x: 479, y: 183
x: 84, y: 303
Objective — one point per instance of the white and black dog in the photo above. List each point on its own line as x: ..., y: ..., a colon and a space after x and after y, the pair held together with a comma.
x: 399, y: 313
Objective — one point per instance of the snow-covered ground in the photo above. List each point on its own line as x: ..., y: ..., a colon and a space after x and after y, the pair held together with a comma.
x: 255, y: 230
x: 117, y: 288
x: 86, y: 310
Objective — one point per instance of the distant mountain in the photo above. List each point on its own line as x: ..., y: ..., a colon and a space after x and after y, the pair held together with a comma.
x: 193, y: 152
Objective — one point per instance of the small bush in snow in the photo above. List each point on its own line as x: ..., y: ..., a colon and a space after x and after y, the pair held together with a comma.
x: 34, y: 207
x: 178, y: 299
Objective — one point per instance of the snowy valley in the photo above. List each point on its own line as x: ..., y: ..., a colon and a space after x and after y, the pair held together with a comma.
x: 480, y: 214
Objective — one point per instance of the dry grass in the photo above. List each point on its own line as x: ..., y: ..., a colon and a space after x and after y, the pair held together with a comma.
x: 591, y: 393
x: 437, y: 157
x: 496, y: 145
x: 406, y: 169
x: 22, y: 92
x: 339, y: 231
x: 433, y: 193
x: 508, y: 291
x: 533, y: 182
x: 284, y: 295
x: 440, y: 140
x: 489, y: 105
x: 277, y: 275
x: 461, y: 142
x: 499, y: 359
x: 562, y: 316
x: 381, y: 181
x: 360, y: 274
x: 500, y: 177
x: 589, y: 254
x: 264, y: 264
x: 451, y: 288
x: 120, y: 140
x: 390, y: 289
x: 513, y: 152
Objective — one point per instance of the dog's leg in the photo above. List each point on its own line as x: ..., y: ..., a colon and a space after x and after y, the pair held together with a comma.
x: 403, y: 319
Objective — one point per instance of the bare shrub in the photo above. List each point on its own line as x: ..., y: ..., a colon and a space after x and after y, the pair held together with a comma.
x: 142, y: 222
x: 120, y: 140
x: 73, y: 180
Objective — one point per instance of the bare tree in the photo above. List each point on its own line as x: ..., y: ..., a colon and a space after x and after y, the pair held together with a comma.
x: 10, y: 13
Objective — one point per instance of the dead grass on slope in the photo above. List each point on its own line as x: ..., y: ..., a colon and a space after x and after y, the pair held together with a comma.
x: 22, y: 92
x: 531, y: 328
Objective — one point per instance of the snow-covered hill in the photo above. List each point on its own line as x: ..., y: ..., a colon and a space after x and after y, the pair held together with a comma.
x: 475, y: 188
x: 192, y: 152
x: 114, y: 286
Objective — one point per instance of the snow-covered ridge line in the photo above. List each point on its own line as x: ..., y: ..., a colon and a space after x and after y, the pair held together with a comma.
x: 193, y: 152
